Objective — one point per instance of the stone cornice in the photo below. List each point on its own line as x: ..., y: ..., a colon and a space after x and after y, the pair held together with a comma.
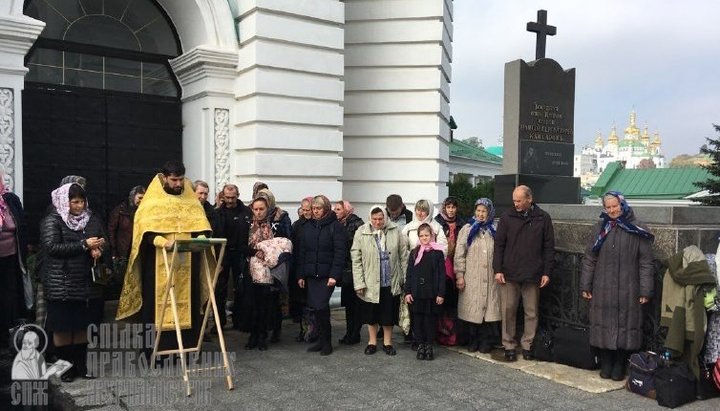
x: 17, y: 34
x: 201, y: 63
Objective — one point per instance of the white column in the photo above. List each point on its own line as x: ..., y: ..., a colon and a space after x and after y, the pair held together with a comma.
x: 207, y: 76
x: 285, y: 129
x: 17, y: 33
x: 397, y: 74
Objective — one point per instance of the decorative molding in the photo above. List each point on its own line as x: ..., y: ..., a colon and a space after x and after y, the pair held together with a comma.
x: 222, y: 147
x: 7, y: 135
x: 201, y: 63
x: 18, y: 33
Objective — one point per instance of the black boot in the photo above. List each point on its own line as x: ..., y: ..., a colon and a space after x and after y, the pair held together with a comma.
x: 429, y: 354
x: 326, y: 334
x: 420, y: 352
x: 618, y: 369
x: 81, y: 361
x: 262, y: 342
x: 252, y: 342
x: 65, y: 352
x: 606, y: 363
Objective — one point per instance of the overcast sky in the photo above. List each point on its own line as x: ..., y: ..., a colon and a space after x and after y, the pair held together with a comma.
x: 660, y: 57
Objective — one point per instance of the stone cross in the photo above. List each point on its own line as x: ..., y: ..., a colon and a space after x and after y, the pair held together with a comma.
x: 542, y: 29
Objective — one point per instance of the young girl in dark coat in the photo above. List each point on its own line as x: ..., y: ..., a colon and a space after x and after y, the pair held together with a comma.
x: 425, y: 289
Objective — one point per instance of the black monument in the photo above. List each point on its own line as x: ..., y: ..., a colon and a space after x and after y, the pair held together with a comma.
x: 538, y: 135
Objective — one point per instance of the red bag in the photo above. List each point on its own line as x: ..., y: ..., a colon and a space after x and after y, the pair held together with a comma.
x: 716, y: 374
x: 449, y: 269
x: 446, y: 332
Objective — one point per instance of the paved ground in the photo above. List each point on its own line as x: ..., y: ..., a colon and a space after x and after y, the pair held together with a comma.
x: 286, y: 377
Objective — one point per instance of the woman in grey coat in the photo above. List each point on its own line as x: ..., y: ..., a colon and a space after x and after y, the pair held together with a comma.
x: 617, y: 278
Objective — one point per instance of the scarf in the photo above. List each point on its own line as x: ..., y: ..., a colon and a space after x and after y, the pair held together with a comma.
x: 349, y: 209
x: 3, y: 204
x: 259, y: 232
x: 477, y: 227
x: 623, y: 222
x: 427, y: 247
x: 61, y: 201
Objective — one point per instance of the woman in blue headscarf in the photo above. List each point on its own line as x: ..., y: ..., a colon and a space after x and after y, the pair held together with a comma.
x: 617, y: 278
x: 479, y: 299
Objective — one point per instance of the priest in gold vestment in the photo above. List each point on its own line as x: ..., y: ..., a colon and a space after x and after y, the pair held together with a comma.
x: 169, y: 211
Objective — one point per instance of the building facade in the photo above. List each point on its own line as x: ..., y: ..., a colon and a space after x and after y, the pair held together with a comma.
x: 345, y: 98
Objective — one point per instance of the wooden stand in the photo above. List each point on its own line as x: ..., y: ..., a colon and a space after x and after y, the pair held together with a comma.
x: 193, y: 245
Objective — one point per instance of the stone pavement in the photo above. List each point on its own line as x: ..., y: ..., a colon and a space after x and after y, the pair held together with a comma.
x: 286, y: 377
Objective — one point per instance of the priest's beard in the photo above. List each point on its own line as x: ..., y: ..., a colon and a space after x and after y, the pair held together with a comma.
x: 172, y: 191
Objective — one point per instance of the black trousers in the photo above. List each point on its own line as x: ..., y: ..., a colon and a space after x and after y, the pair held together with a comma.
x: 353, y: 324
x: 424, y: 327
x: 232, y: 264
x: 261, y: 310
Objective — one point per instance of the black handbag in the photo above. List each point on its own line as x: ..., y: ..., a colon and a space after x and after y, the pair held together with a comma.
x: 675, y: 385
x: 101, y: 273
x: 542, y: 346
x: 571, y: 346
x: 642, y: 367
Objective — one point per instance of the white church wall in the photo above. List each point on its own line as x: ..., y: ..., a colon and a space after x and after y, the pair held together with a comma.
x: 397, y: 73
x: 289, y: 91
x: 17, y: 33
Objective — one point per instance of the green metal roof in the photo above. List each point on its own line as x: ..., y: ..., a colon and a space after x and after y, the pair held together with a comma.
x: 496, y: 150
x: 651, y: 183
x: 465, y: 150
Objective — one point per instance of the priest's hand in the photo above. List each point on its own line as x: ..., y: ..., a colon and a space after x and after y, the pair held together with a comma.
x: 409, y: 299
x: 439, y: 300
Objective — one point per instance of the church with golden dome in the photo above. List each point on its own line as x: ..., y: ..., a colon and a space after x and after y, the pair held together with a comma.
x: 636, y: 149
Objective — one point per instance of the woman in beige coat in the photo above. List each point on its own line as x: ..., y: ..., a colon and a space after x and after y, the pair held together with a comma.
x: 379, y: 262
x: 479, y: 300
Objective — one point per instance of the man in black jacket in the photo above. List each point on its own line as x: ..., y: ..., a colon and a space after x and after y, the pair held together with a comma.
x: 228, y: 222
x: 522, y: 261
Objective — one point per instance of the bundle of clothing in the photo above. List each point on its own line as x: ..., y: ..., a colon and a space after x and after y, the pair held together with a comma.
x: 276, y: 252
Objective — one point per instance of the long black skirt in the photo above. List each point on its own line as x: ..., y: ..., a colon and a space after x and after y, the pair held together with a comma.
x: 384, y: 313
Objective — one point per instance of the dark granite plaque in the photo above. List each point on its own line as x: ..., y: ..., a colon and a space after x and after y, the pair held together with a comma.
x: 554, y: 159
x: 547, y: 102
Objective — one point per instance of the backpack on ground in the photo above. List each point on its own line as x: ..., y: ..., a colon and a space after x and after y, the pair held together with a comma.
x: 642, y: 367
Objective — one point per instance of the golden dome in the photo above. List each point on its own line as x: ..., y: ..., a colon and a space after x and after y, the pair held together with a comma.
x: 613, y: 138
x: 656, y: 140
x: 632, y: 131
x: 599, y: 140
x: 645, y: 137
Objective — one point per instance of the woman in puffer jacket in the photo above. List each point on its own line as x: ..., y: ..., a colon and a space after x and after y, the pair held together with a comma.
x: 72, y: 239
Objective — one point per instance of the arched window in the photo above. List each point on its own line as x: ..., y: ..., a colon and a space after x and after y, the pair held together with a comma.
x: 121, y: 45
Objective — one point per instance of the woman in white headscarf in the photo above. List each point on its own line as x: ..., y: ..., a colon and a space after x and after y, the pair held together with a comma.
x: 379, y: 262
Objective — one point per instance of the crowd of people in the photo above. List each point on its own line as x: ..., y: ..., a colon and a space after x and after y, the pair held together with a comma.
x: 454, y: 281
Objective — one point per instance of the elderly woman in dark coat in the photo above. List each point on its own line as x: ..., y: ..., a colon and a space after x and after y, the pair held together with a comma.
x: 13, y: 254
x: 617, y: 278
x: 71, y: 238
x: 320, y: 265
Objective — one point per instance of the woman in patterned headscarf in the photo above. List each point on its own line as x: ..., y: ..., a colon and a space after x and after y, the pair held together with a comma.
x: 617, y: 278
x: 13, y: 254
x: 479, y: 300
x: 71, y: 239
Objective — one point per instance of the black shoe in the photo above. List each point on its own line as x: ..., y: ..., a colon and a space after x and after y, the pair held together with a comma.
x: 429, y: 354
x: 420, y: 352
x: 327, y: 349
x: 389, y: 349
x: 69, y: 375
x: 252, y: 342
x: 262, y: 343
x: 528, y: 355
x: 510, y: 356
x: 473, y: 346
x: 318, y: 346
x: 484, y: 347
x: 415, y: 346
x: 370, y: 349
